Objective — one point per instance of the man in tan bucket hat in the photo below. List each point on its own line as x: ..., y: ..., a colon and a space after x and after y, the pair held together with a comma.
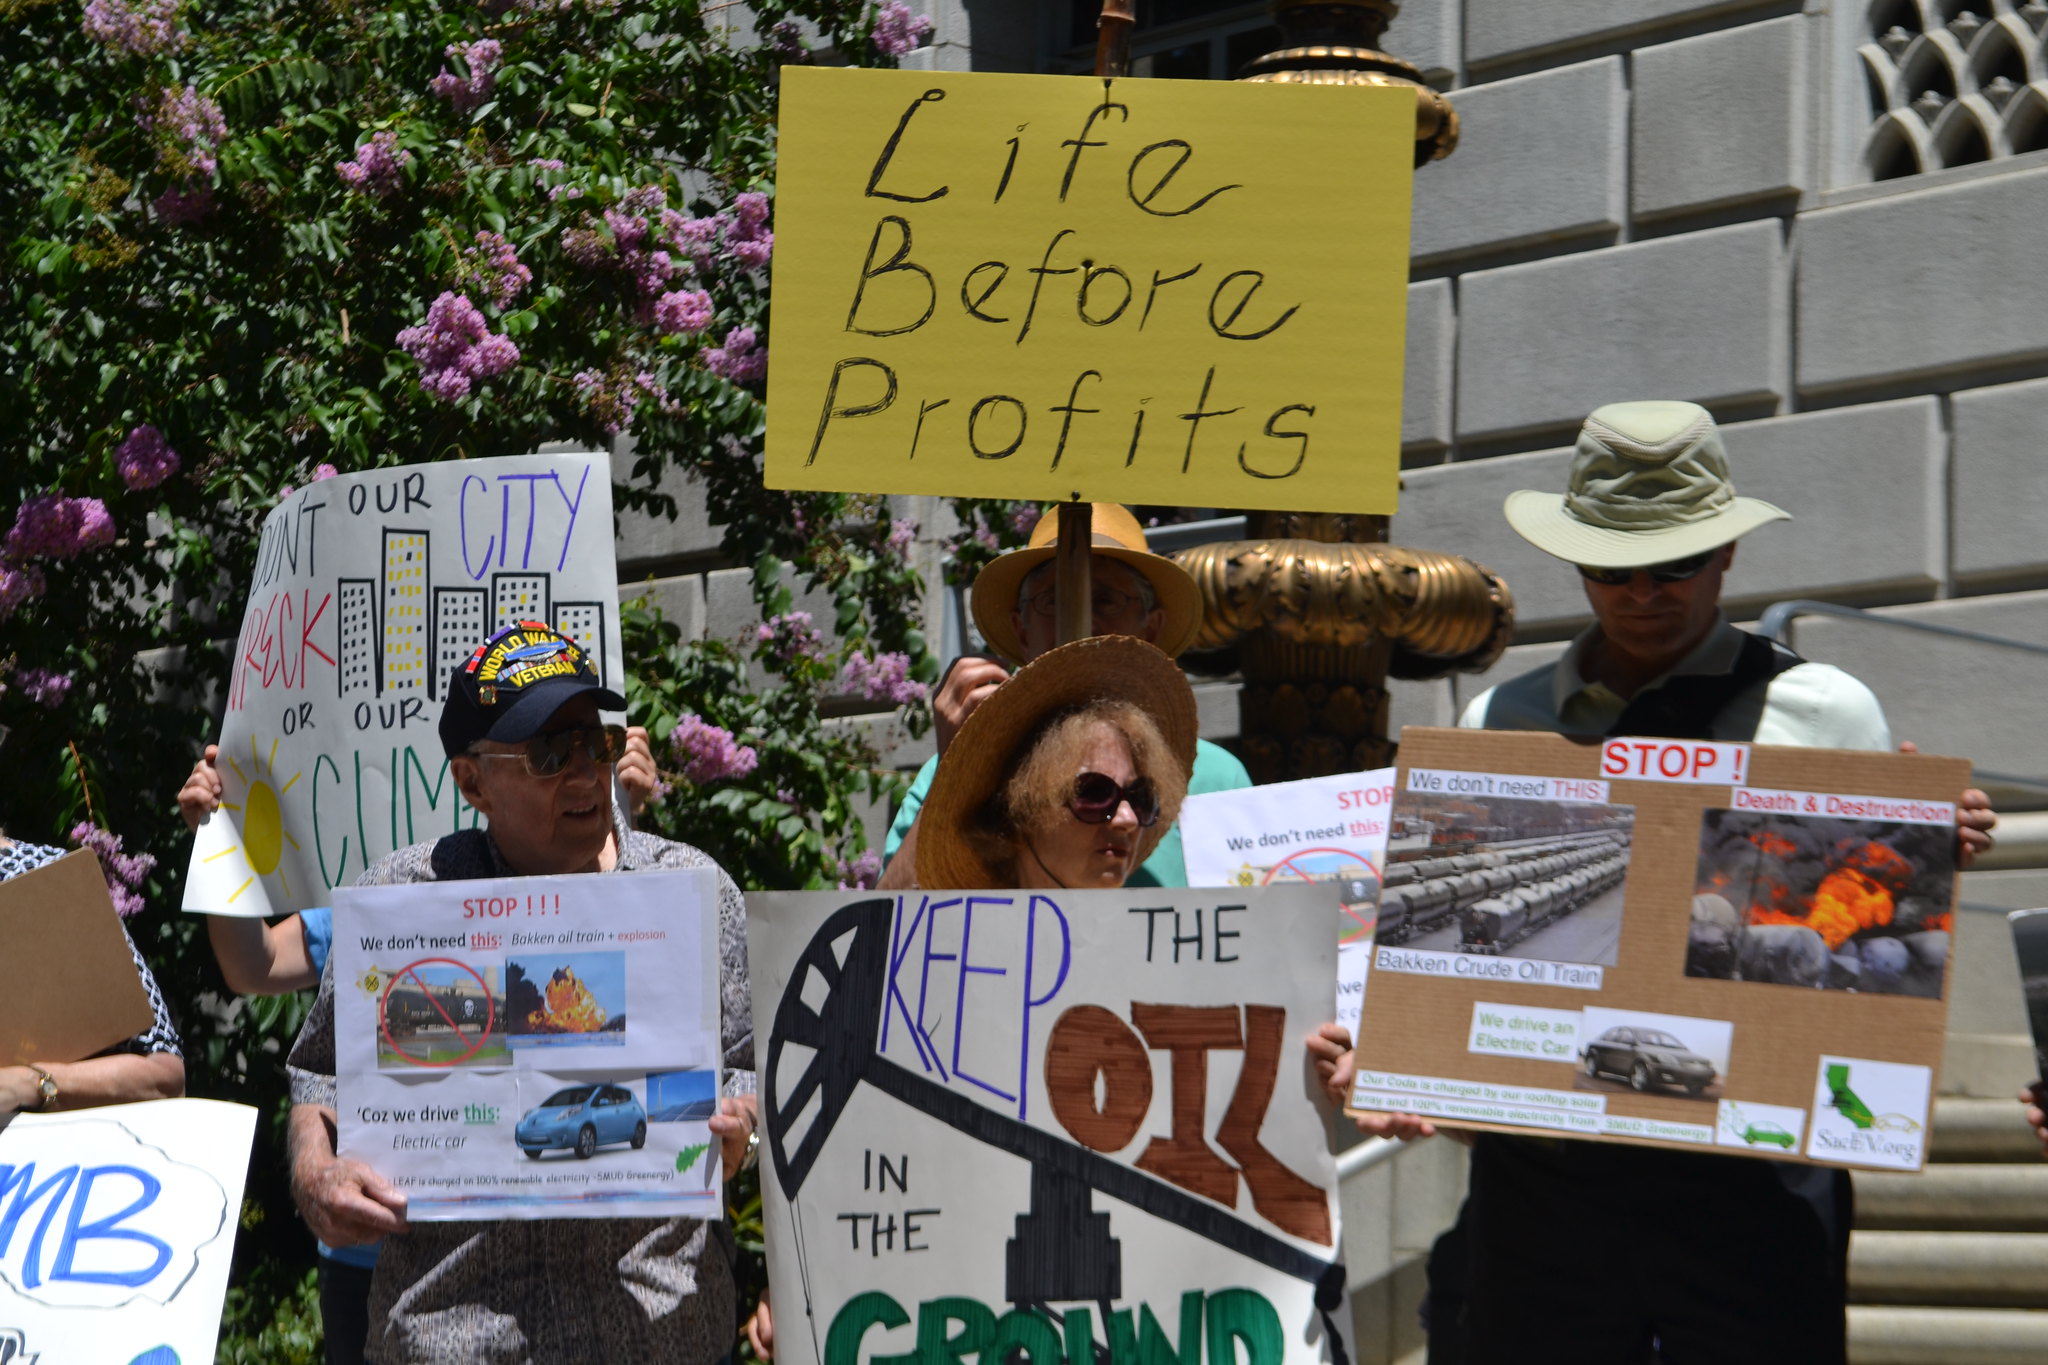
x: 1135, y: 592
x: 1702, y: 1258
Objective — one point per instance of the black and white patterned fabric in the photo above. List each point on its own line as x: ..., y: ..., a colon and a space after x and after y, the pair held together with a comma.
x: 16, y: 859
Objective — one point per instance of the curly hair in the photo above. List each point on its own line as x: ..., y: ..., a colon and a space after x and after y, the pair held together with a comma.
x: 1041, y: 779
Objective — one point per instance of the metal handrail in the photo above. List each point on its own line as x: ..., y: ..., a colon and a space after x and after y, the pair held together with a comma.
x: 1776, y: 624
x: 1777, y: 619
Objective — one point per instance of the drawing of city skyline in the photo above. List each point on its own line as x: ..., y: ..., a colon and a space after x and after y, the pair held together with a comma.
x: 399, y: 634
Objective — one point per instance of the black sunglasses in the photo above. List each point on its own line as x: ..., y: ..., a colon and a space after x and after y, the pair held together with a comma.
x: 1096, y: 798
x: 546, y: 755
x: 1671, y: 571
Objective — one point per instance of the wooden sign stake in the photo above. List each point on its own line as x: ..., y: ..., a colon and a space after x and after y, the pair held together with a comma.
x: 1073, y: 561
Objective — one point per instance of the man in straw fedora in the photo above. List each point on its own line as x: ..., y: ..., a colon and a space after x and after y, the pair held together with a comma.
x: 1702, y: 1258
x: 1135, y: 592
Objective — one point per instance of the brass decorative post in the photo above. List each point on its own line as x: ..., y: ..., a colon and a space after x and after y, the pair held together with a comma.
x: 1315, y: 610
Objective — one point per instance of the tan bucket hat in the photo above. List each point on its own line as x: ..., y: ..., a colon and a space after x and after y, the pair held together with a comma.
x: 977, y: 762
x: 1116, y: 535
x: 1649, y: 483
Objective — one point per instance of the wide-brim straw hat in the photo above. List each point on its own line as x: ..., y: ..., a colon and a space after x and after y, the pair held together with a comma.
x: 1649, y: 483
x: 1115, y: 534
x: 986, y: 749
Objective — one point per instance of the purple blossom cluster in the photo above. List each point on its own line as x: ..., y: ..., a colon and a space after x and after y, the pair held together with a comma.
x: 455, y: 347
x: 886, y: 677
x: 481, y: 59
x: 189, y: 129
x: 18, y: 583
x: 142, y: 29
x: 861, y: 872
x: 52, y: 526
x: 125, y: 872
x: 786, y: 40
x: 44, y: 686
x: 737, y: 360
x: 145, y: 459
x: 789, y: 637
x: 614, y: 398
x: 324, y: 471
x: 898, y: 29
x: 902, y: 532
x: 708, y: 753
x: 738, y: 235
x: 377, y: 168
x: 496, y: 269
x: 184, y: 204
x: 685, y: 311
x: 1024, y: 518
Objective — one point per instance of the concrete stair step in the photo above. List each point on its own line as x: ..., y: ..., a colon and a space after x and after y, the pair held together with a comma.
x: 1973, y: 1130
x: 1882, y: 1335
x: 1973, y: 1269
x: 1957, y: 1196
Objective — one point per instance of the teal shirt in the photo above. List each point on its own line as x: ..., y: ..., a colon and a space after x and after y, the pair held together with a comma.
x: 1216, y: 770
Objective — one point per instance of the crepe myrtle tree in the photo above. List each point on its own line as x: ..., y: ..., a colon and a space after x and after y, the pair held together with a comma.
x: 254, y: 243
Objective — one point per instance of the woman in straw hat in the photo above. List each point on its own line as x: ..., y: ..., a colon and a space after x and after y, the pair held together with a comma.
x: 1068, y: 776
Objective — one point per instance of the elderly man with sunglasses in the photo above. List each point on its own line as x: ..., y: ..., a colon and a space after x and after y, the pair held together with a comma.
x: 525, y: 744
x: 1705, y: 1258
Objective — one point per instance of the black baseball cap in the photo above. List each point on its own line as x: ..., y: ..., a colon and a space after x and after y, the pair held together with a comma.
x: 513, y: 682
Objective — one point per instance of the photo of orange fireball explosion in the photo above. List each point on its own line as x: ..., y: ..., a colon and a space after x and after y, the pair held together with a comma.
x: 572, y: 993
x: 1851, y: 905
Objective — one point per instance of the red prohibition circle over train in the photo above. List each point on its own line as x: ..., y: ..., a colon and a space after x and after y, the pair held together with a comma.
x: 405, y: 973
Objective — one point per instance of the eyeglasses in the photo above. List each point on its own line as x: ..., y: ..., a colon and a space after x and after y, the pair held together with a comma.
x: 547, y: 755
x: 1106, y: 602
x: 1671, y: 571
x: 1096, y: 798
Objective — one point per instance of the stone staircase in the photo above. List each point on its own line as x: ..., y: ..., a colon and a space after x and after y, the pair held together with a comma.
x: 1950, y: 1267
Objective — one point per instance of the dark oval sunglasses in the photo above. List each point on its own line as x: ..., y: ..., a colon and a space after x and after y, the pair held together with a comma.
x: 1671, y: 571
x: 1096, y: 797
x: 548, y: 754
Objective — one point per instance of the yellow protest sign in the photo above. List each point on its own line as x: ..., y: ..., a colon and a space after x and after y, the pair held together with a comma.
x: 1052, y: 287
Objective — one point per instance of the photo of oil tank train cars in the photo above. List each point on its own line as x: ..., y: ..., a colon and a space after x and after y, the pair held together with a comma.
x: 1536, y: 879
x: 1822, y: 902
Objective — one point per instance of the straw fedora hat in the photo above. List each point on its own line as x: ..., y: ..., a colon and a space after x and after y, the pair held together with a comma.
x: 1649, y: 483
x: 982, y: 755
x: 1116, y: 535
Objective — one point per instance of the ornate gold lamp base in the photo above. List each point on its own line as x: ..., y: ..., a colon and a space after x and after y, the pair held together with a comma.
x: 1316, y: 617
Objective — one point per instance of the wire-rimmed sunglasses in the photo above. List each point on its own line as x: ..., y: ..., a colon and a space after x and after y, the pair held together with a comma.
x: 1670, y: 571
x: 548, y: 754
x: 1097, y: 796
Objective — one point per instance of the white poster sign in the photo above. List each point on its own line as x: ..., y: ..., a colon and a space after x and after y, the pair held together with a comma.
x: 1320, y: 829
x: 117, y: 1227
x: 370, y: 588
x: 537, y: 1047
x: 1060, y: 1122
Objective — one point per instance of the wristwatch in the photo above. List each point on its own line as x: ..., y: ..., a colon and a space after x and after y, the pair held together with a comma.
x: 46, y: 1090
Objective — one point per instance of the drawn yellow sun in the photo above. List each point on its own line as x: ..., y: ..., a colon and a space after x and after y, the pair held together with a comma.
x: 260, y: 817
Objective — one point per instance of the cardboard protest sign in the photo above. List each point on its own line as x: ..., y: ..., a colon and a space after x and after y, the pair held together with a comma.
x: 68, y: 987
x: 2030, y: 948
x: 1058, y: 1121
x: 1054, y: 287
x: 370, y: 589
x: 1320, y: 829
x: 1728, y: 946
x: 119, y: 1230
x: 537, y: 1047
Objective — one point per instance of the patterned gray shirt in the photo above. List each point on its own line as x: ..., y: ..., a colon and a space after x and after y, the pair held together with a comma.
x: 557, y: 1290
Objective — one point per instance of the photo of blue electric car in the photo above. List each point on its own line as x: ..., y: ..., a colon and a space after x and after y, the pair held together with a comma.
x: 581, y: 1119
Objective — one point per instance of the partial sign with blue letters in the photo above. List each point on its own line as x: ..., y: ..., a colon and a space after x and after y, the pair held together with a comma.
x: 117, y: 1226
